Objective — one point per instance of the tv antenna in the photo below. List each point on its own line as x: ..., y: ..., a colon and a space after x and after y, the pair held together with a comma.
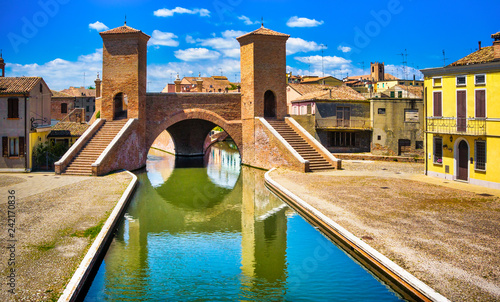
x: 323, y: 47
x: 444, y: 58
x: 404, y: 57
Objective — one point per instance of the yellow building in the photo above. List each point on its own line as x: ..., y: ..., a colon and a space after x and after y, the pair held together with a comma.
x: 462, y: 104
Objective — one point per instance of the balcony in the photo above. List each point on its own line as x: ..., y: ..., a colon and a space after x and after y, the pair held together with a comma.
x: 334, y: 123
x: 456, y: 125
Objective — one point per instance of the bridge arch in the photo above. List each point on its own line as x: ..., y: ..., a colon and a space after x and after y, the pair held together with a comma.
x: 189, y: 128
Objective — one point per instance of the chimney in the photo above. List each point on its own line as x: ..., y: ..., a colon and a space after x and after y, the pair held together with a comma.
x: 177, y: 84
x: 414, y: 77
x: 496, y: 46
x: 97, y: 87
x: 479, y: 48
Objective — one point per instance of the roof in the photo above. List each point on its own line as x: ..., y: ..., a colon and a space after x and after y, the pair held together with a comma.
x: 416, y: 91
x: 307, y: 88
x: 125, y: 29
x: 264, y: 32
x: 318, y: 79
x: 387, y: 77
x: 64, y: 129
x: 483, y: 55
x: 496, y: 36
x: 60, y: 94
x: 335, y: 93
x: 79, y: 91
x: 16, y: 85
x: 210, y: 83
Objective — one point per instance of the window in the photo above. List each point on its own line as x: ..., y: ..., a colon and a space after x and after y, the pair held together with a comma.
x: 438, y: 150
x: 480, y: 155
x: 392, y: 94
x: 437, y: 104
x: 381, y: 110
x: 411, y: 115
x: 343, y: 116
x: 87, y: 109
x: 419, y: 145
x: 342, y: 139
x: 64, y: 108
x: 480, y: 103
x: 436, y: 82
x: 461, y: 80
x: 379, y: 137
x: 400, y: 94
x: 12, y: 146
x: 41, y: 88
x: 480, y: 79
x: 13, y: 108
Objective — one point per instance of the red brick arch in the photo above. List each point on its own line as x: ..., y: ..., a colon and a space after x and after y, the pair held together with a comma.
x: 232, y: 128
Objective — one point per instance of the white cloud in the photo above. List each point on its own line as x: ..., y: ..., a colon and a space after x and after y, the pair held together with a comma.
x: 195, y: 54
x: 164, y: 12
x: 227, y: 44
x: 295, y: 45
x: 99, y: 26
x: 303, y: 22
x: 327, y: 60
x: 160, y: 38
x: 344, y: 48
x: 401, y: 72
x: 190, y: 39
x: 60, y: 74
x: 247, y: 20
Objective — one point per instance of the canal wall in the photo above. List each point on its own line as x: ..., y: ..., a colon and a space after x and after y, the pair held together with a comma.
x: 94, y: 255
x: 399, y: 279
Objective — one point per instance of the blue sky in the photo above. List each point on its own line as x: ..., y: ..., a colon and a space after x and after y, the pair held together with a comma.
x: 59, y: 39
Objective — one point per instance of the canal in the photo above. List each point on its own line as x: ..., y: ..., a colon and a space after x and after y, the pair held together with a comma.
x: 209, y: 230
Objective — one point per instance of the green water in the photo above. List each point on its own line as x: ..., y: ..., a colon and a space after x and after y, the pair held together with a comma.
x: 215, y: 233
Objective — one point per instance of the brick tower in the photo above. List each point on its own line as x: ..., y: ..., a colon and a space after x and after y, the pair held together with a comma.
x: 263, y: 81
x: 2, y: 66
x: 124, y: 78
x: 377, y: 71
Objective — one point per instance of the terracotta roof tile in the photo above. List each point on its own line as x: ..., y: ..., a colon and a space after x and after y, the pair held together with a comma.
x: 307, y: 88
x: 264, y: 32
x: 59, y: 94
x: 496, y: 36
x: 68, y: 129
x: 14, y: 85
x: 416, y: 91
x: 125, y: 29
x: 79, y: 91
x: 317, y: 79
x: 484, y: 55
x: 335, y: 93
x: 387, y: 76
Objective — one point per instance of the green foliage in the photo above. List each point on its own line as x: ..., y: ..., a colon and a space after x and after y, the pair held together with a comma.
x: 90, y: 87
x: 233, y: 86
x: 46, y: 246
x: 98, y: 114
x: 46, y: 154
x: 91, y: 232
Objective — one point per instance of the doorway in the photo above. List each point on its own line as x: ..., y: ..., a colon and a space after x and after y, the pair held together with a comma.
x: 269, y: 104
x: 463, y: 161
x: 120, y: 102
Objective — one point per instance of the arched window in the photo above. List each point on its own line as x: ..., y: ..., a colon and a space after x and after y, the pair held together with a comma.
x: 269, y: 104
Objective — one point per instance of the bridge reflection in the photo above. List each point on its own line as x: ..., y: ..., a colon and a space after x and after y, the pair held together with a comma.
x: 185, y: 221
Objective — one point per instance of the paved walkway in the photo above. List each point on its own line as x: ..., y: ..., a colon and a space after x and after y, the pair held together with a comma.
x: 51, y: 216
x: 445, y: 233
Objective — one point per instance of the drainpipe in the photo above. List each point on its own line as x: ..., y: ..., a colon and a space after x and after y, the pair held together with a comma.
x: 425, y: 131
x: 26, y: 136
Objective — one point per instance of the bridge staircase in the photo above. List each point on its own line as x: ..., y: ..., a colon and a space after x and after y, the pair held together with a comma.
x: 316, y: 160
x: 81, y: 164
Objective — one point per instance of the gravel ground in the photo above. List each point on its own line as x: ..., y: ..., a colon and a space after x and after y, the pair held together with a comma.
x: 52, y: 213
x: 447, y: 237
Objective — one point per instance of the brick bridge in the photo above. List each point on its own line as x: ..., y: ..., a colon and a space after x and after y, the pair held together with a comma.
x: 131, y: 119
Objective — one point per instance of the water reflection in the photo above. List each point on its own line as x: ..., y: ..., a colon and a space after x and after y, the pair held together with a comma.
x: 216, y: 233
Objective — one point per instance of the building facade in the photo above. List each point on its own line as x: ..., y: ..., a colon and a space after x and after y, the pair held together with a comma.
x: 463, y: 118
x: 25, y: 120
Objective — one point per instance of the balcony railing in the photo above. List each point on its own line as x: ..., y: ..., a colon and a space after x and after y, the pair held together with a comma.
x: 456, y: 125
x: 333, y: 123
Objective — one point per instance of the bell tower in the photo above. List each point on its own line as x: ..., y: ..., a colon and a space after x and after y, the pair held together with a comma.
x: 124, y: 78
x: 2, y: 65
x: 263, y: 82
